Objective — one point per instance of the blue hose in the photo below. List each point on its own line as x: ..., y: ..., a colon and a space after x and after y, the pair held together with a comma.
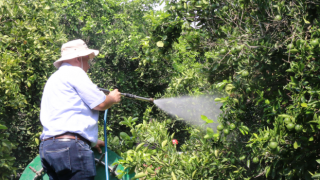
x: 106, y: 144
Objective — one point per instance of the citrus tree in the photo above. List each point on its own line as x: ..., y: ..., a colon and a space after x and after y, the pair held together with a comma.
x: 30, y: 39
x: 263, y: 55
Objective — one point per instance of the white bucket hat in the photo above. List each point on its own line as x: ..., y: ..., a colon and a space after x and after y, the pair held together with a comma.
x: 73, y: 49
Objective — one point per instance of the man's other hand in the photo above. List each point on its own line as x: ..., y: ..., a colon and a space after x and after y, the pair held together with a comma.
x: 99, y: 145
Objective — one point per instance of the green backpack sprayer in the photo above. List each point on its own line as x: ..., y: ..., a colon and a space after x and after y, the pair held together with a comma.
x: 104, y: 162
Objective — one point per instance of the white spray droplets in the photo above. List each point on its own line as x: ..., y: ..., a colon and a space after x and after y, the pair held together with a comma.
x: 190, y: 109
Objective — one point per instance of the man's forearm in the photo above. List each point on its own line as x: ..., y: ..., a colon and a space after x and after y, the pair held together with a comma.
x: 106, y: 104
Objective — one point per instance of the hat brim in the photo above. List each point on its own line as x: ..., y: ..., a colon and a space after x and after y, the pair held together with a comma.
x: 91, y: 52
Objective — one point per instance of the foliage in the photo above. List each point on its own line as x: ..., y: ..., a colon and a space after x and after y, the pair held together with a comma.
x: 156, y: 155
x: 260, y: 55
x: 7, y: 161
x: 30, y: 38
x: 263, y: 55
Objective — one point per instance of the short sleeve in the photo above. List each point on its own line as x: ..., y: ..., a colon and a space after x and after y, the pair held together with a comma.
x: 89, y: 92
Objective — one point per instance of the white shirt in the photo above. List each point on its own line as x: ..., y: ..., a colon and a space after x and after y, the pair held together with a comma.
x: 67, y: 104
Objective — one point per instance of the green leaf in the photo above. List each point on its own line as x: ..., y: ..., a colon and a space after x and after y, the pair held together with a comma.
x: 3, y: 127
x: 124, y: 123
x: 295, y: 145
x: 116, y: 140
x: 210, y: 131
x: 221, y: 84
x: 124, y: 135
x: 205, y: 2
x: 37, y: 141
x: 284, y: 115
x: 172, y: 135
x: 194, y: 172
x: 164, y: 143
x: 151, y: 140
x: 267, y: 169
x: 217, y: 99
x: 139, y: 175
x: 139, y: 146
x: 267, y: 101
x: 207, y: 136
x: 5, y: 144
x: 173, y: 176
x: 304, y: 105
x: 307, y: 22
x: 222, y: 100
x: 316, y: 175
x: 206, y: 119
x: 229, y: 88
x: 134, y: 119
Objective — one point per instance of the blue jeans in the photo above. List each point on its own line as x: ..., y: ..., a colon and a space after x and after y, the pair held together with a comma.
x: 67, y: 159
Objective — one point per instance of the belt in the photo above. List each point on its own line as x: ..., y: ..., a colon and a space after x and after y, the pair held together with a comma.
x: 69, y: 136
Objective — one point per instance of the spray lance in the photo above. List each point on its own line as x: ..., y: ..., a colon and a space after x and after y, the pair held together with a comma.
x: 129, y: 96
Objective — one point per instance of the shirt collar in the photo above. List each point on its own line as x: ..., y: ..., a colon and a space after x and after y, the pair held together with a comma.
x: 65, y: 64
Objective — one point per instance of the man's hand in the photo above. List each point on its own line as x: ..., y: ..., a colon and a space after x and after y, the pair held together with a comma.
x: 115, y: 96
x: 99, y: 145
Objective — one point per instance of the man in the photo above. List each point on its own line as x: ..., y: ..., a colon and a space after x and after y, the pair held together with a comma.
x: 69, y: 113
